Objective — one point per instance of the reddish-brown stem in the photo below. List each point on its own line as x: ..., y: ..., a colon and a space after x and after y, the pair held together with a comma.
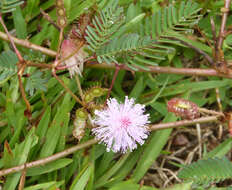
x: 21, y: 60
x: 117, y: 68
x: 75, y: 148
x: 29, y: 45
x: 47, y: 159
x: 49, y: 19
x: 20, y: 65
x: 183, y: 123
x: 213, y: 28
x: 225, y: 11
x: 24, y: 94
x: 170, y: 70
x: 40, y: 65
x: 67, y: 89
x: 22, y: 179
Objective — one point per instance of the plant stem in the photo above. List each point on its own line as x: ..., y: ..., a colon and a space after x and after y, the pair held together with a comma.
x: 21, y: 60
x: 79, y: 86
x: 225, y: 10
x: 67, y: 89
x: 48, y: 159
x: 29, y: 45
x: 20, y: 65
x: 75, y: 148
x: 49, y: 19
x: 170, y: 70
x: 117, y: 68
x: 24, y: 94
x: 183, y: 123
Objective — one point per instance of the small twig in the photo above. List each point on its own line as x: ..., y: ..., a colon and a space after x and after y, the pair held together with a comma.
x: 49, y: 19
x: 117, y: 68
x: 212, y: 112
x: 23, y: 178
x: 213, y: 28
x: 220, y: 129
x: 67, y: 89
x: 47, y: 159
x: 79, y: 86
x: 183, y: 123
x: 225, y: 10
x: 207, y: 57
x: 20, y: 65
x: 29, y: 45
x: 39, y: 65
x: 24, y: 95
x: 21, y: 60
x: 170, y: 70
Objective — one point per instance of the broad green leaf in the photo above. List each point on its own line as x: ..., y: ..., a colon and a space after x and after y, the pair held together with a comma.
x: 19, y: 23
x: 221, y: 150
x: 21, y: 153
x: 81, y: 180
x: 40, y: 186
x: 54, y: 131
x: 55, y: 165
x: 103, y: 179
x: 152, y: 149
x: 129, y: 185
x: 184, y: 186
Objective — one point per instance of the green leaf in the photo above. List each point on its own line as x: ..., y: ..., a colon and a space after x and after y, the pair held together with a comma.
x: 184, y: 186
x: 138, y: 88
x: 21, y: 153
x: 58, y: 164
x: 36, y: 82
x: 40, y: 186
x: 129, y: 185
x: 207, y: 171
x: 221, y: 150
x: 9, y: 5
x: 19, y: 23
x: 81, y: 180
x: 103, y: 179
x: 152, y: 149
x: 8, y: 60
x: 54, y: 131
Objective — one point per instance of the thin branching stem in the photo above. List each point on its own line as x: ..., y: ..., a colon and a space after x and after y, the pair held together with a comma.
x: 29, y: 45
x: 225, y: 12
x: 79, y: 86
x: 49, y: 19
x: 67, y: 89
x: 20, y: 65
x: 117, y: 68
x: 48, y: 159
x: 184, y: 123
x: 21, y: 60
x: 75, y: 148
x: 170, y: 70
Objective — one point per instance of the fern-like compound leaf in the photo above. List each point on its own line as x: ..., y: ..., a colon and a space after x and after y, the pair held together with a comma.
x: 207, y: 171
x: 139, y: 51
x: 9, y: 5
x: 105, y: 24
x: 8, y: 60
x: 175, y: 19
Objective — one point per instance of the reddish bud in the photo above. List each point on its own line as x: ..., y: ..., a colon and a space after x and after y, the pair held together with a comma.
x: 183, y: 108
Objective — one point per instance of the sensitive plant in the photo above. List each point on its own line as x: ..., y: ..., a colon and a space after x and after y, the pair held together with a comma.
x: 49, y: 109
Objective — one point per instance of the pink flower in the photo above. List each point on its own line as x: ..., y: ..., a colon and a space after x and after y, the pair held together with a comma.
x: 121, y: 125
x: 75, y: 59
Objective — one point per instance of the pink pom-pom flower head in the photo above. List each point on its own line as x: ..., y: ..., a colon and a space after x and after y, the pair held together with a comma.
x: 121, y: 125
